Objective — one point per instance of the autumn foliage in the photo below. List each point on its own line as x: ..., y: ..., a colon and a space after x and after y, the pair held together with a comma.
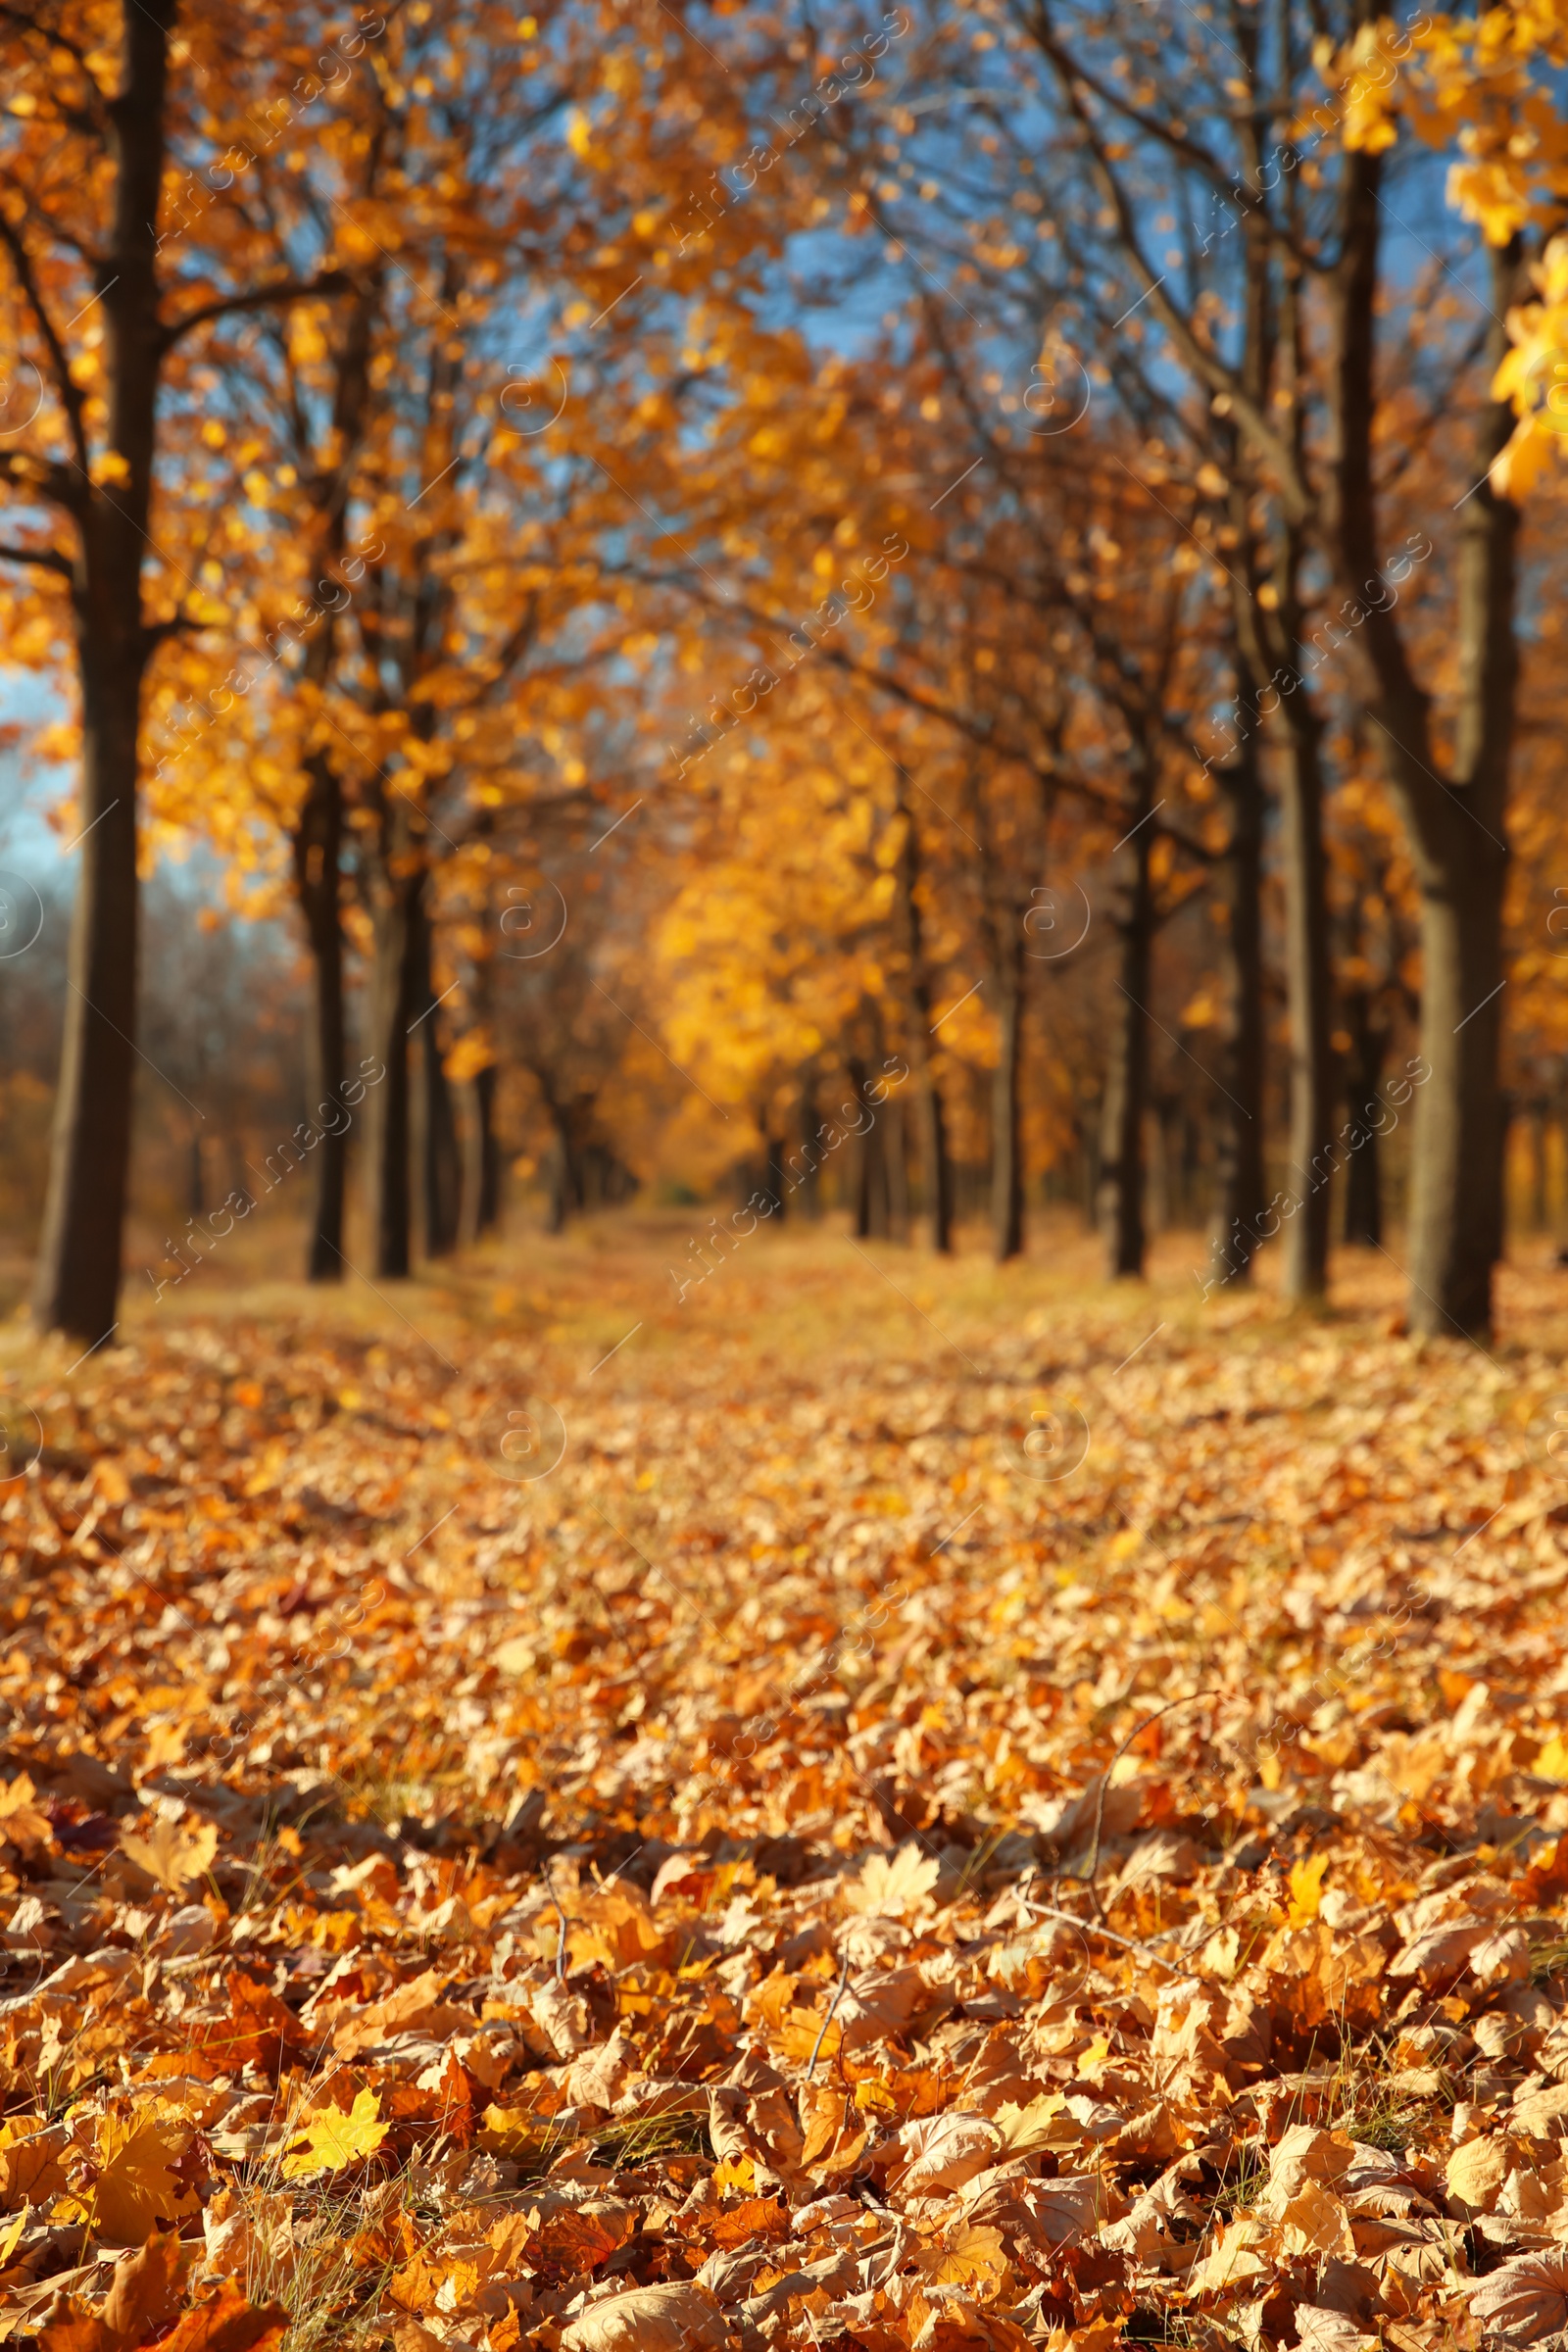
x: 904, y: 1888
x: 784, y: 1108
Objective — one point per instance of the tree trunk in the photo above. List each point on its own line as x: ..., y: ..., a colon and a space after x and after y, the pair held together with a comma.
x: 1364, y: 1191
x: 317, y: 846
x: 871, y: 1168
x: 78, y: 1283
x: 895, y: 1159
x: 481, y: 1174
x: 773, y: 1180
x: 562, y: 1202
x: 568, y: 1191
x: 936, y: 1168
x: 1121, y: 1161
x: 1007, y: 1140
x: 482, y: 1177
x: 441, y: 1161
x: 393, y: 1004
x: 1538, y: 1131
x: 808, y: 1155
x: 1454, y: 825
x: 936, y: 1163
x: 318, y: 833
x: 1308, y: 993
x: 1241, y: 1196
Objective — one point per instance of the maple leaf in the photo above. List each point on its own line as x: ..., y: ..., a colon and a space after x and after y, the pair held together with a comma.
x: 1042, y: 2124
x: 1306, y: 1888
x: 145, y: 2290
x: 31, y: 2152
x: 1475, y: 2174
x: 891, y: 1890
x: 228, y: 2321
x: 1525, y: 2299
x: 136, y: 2190
x: 966, y: 2256
x: 172, y: 1852
x: 329, y: 2140
x: 650, y: 2319
x: 21, y: 1825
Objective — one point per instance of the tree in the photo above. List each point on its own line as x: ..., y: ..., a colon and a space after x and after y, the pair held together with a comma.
x: 86, y: 138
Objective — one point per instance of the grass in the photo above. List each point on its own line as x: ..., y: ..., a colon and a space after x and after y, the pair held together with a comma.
x: 310, y: 2268
x: 626, y: 2143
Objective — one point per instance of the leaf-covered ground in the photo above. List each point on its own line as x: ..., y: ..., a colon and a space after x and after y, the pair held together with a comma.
x: 964, y: 1809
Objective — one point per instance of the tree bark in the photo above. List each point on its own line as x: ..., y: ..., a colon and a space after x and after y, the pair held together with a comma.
x: 317, y: 846
x: 1121, y: 1161
x: 319, y: 834
x: 1241, y: 1196
x: 78, y: 1283
x: 808, y: 1153
x: 871, y: 1217
x: 441, y: 1162
x: 1007, y: 1138
x: 895, y: 1159
x: 773, y: 1183
x: 936, y: 1168
x: 393, y: 1004
x: 483, y: 1180
x: 1308, y: 995
x: 1454, y: 826
x: 1363, y: 1191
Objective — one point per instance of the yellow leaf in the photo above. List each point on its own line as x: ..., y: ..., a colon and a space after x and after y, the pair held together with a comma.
x: 7, y: 2244
x: 330, y: 2139
x: 30, y: 2149
x: 172, y: 1852
x: 21, y: 1825
x: 1306, y: 1889
x: 136, y: 2191
x: 736, y: 2171
x: 888, y: 1889
x: 1552, y: 1762
x: 1315, y: 2222
x: 1025, y: 2128
x: 1476, y: 2173
x: 967, y: 2257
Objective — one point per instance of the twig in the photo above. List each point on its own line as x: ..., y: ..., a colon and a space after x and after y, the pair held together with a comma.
x: 1096, y: 1926
x: 838, y: 1995
x: 1100, y: 1802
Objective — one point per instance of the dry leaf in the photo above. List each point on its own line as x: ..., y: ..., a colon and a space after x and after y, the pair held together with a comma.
x: 1525, y: 2299
x: 136, y: 2190
x: 145, y: 2290
x: 174, y: 1853
x: 225, y: 2322
x: 30, y: 2167
x: 1475, y: 2174
x: 329, y: 2140
x: 944, y: 2151
x: 650, y: 2319
x: 893, y: 1888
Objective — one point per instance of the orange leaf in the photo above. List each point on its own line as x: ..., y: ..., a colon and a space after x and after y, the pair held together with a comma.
x: 226, y: 2322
